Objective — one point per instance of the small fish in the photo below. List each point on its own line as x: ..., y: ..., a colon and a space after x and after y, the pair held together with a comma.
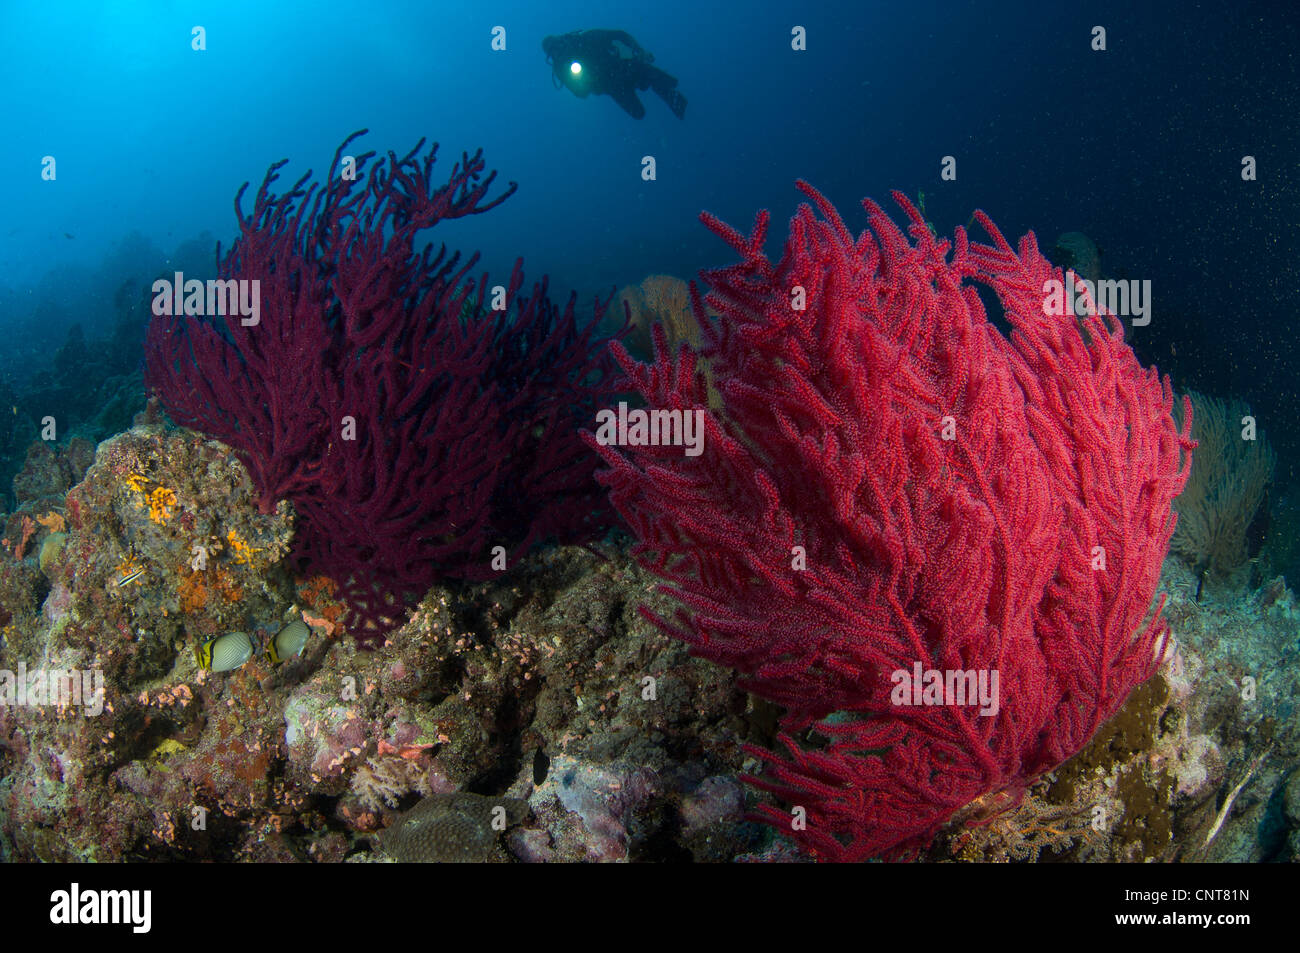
x: 224, y: 653
x: 288, y: 642
x: 129, y: 577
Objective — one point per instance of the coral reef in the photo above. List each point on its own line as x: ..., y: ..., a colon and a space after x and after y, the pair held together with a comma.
x: 546, y: 687
x: 556, y: 713
x: 415, y: 422
x: 550, y: 666
x: 116, y: 604
x: 894, y: 485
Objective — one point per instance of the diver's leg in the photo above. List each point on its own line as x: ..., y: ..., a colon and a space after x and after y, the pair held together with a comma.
x: 665, y: 87
x: 626, y: 97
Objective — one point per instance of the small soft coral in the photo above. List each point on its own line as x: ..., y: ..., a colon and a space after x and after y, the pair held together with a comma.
x: 385, y: 779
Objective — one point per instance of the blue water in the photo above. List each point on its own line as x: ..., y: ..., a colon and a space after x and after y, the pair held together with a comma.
x: 1139, y: 146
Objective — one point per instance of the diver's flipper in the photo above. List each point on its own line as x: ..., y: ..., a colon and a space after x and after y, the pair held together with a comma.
x: 677, y: 103
x: 665, y: 87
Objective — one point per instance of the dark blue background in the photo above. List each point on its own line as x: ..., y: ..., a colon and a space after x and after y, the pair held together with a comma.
x: 1139, y: 146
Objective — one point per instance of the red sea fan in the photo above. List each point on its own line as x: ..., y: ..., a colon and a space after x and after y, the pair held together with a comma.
x: 894, y: 487
x: 414, y: 423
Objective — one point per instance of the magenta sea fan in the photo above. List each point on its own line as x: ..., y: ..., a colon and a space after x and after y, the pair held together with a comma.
x: 893, y: 487
x: 416, y: 417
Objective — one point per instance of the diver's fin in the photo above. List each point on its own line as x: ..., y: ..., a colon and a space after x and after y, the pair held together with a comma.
x: 665, y: 87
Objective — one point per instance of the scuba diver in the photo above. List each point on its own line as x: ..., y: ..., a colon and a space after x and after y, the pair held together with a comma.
x: 612, y: 63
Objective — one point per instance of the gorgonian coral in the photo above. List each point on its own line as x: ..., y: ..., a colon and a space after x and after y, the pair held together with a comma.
x: 416, y: 417
x: 893, y: 488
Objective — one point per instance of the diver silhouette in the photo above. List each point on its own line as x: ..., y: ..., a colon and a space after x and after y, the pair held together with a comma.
x: 610, y: 63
